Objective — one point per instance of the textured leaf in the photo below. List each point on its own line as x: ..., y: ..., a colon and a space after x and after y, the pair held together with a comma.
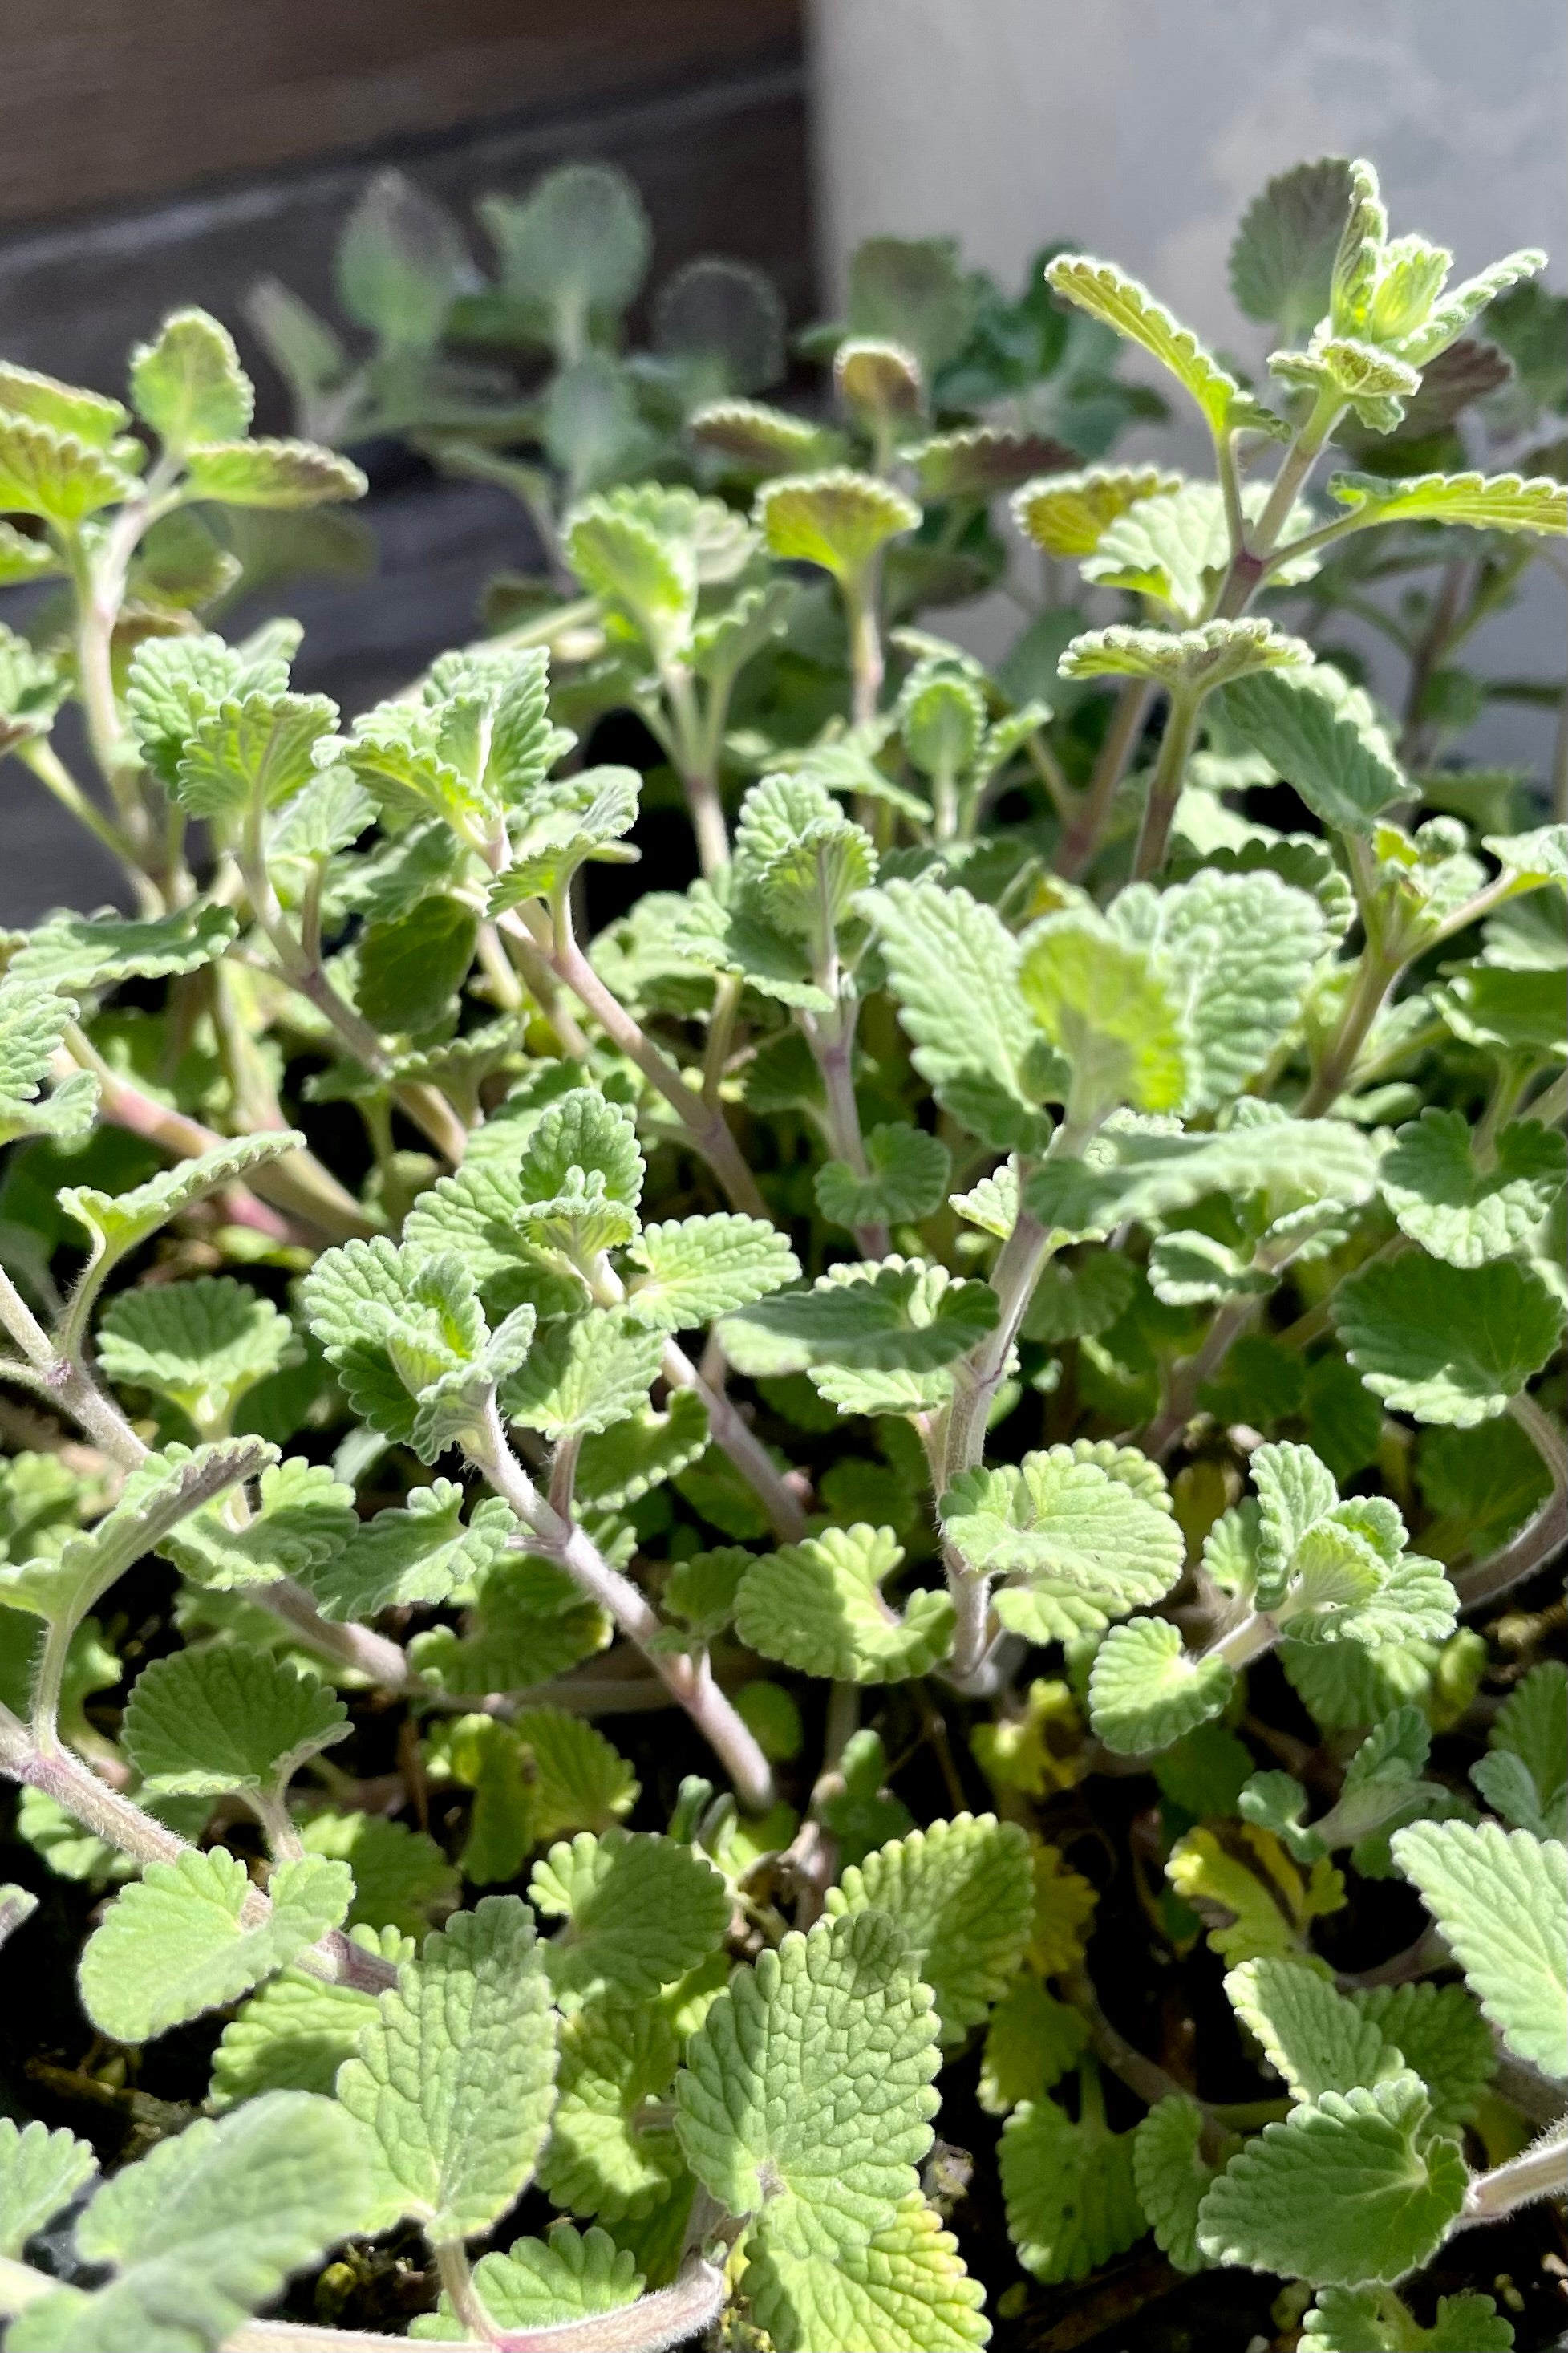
x: 419, y: 1552
x: 164, y: 1490
x: 641, y: 1911
x: 292, y: 2036
x: 40, y: 2171
x: 1107, y: 294
x: 585, y: 1375
x: 818, y: 1607
x: 1322, y: 735
x: 93, y: 416
x: 540, y: 2283
x: 33, y: 1021
x: 902, y: 1315
x: 1254, y: 1900
x: 400, y: 1878
x: 78, y: 953
x: 576, y: 246
x: 953, y: 968
x: 1235, y: 953
x: 1102, y: 1007
x: 188, y: 384
x: 1313, y: 2037
x: 456, y: 2075
x: 806, y: 2093
x: 1069, y: 514
x: 1363, y: 2320
x: 1449, y: 1198
x: 698, y: 1268
x: 1444, y: 1343
x: 605, y: 2156
x: 1196, y: 660
x: 754, y: 439
x: 227, y: 1717
x: 1282, y: 258
x: 410, y: 971
x: 1531, y: 1727
x: 280, y: 474
x: 1342, y: 2193
x: 962, y: 1893
x: 1443, y: 2037
x: 530, y: 1622
x: 208, y: 2227
x: 1070, y: 2197
x: 1146, y: 1691
x: 1485, y: 501
x: 184, y: 1938
x: 121, y: 1222
x: 904, y: 2290
x: 1538, y: 855
x: 251, y: 754
x: 1172, y: 2177
x: 838, y: 519
x: 302, y: 1517
x: 173, y: 682
x: 203, y: 1345
x: 1030, y: 2042
x: 53, y: 473
x: 1090, y: 1539
x: 1500, y: 1899
x: 908, y: 1174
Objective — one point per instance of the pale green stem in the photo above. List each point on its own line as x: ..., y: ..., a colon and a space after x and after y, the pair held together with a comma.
x: 1229, y: 1322
x: 865, y: 664
x: 1082, y: 839
x: 1551, y: 1105
x: 1250, y: 1638
x: 565, y: 1542
x: 1375, y: 976
x: 1165, y: 784
x: 832, y: 1042
x: 654, y: 2324
x: 697, y: 769
x: 1540, y: 2172
x: 458, y: 2280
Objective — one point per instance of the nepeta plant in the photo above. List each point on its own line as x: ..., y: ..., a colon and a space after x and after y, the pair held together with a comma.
x: 994, y: 1337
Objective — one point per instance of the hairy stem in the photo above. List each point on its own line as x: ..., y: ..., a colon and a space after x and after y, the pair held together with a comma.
x: 1189, y: 1377
x: 1375, y: 976
x: 654, y: 2324
x: 1013, y: 1278
x: 1165, y: 784
x: 735, y: 1436
x: 1541, y: 1538
x: 1540, y: 2172
x: 697, y: 769
x: 1248, y: 1638
x: 833, y: 1050
x: 865, y: 664
x: 564, y: 1541
x: 1082, y: 839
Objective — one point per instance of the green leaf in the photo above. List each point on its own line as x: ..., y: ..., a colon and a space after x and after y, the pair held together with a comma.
x: 1443, y: 2037
x: 227, y: 1717
x: 1069, y: 514
x: 914, y: 292
x: 806, y: 2095
x: 1500, y: 1899
x: 391, y: 1321
x: 1253, y: 1899
x: 1484, y: 501
x: 976, y: 461
x: 173, y: 682
x: 53, y: 473
x: 1468, y: 1207
x: 292, y: 2036
x: 1536, y: 857
x: 1146, y: 1691
x: 204, y: 1345
x: 188, y: 384
x: 751, y: 438
x: 456, y: 2075
x: 540, y: 2283
x: 1193, y: 661
x: 420, y: 1551
x: 586, y: 1375
x: 838, y: 518
x: 251, y: 754
x: 208, y: 2227
x: 1322, y: 735
x: 1087, y: 1530
x: 962, y: 1893
x: 575, y: 1780
x: 530, y: 1622
x: 40, y: 2171
x: 900, y: 1316
x: 193, y: 1934
x: 279, y: 474
x: 1507, y: 1012
x: 907, y: 1173
x: 303, y: 1517
x: 1172, y: 2176
x: 401, y: 1877
x: 410, y: 971
x: 606, y: 2157
x: 33, y: 1022
x: 1103, y: 1008
x: 1350, y: 2189
x: 1445, y: 1343
x: 1282, y: 256
x: 698, y: 1268
x: 641, y: 1909
x: 78, y: 953
x: 120, y: 1223
x: 576, y: 248
x: 1070, y: 2197
x: 1531, y: 1730
x: 1030, y: 2042
x: 1235, y: 953
x: 1363, y: 2320
x: 1313, y: 2037
x: 164, y: 1491
x: 400, y: 264
x: 92, y: 417
x: 904, y: 2290
x: 953, y: 968
x: 818, y: 1606
x: 645, y: 1451
x: 1107, y: 294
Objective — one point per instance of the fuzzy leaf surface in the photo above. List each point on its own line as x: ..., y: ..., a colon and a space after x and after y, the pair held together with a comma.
x: 1500, y: 1899
x: 962, y: 1893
